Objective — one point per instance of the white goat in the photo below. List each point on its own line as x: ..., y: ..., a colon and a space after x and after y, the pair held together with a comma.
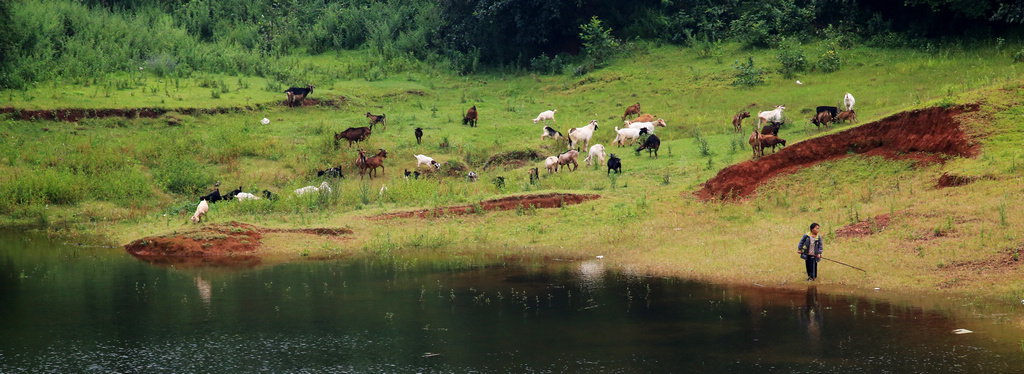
x: 551, y: 163
x: 628, y: 134
x: 848, y: 100
x: 304, y: 190
x: 201, y: 210
x: 596, y: 153
x: 424, y: 160
x: 242, y: 196
x: 647, y: 125
x: 582, y: 134
x: 545, y: 116
x: 770, y: 115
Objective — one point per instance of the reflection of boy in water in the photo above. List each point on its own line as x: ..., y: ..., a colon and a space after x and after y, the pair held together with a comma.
x: 810, y: 249
x: 810, y: 316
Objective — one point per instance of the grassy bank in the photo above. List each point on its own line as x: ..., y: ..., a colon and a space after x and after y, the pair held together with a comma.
x: 130, y: 178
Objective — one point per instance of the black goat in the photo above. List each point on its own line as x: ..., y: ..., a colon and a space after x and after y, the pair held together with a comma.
x: 231, y: 195
x: 651, y: 143
x: 375, y: 119
x: 331, y: 173
x: 297, y: 94
x: 419, y: 135
x: 614, y: 163
x: 499, y: 182
x: 771, y: 129
x: 212, y: 197
x: 269, y: 195
x: 834, y: 111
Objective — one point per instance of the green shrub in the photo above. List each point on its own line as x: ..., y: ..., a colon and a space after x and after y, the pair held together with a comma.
x: 182, y: 173
x: 829, y: 61
x: 792, y: 58
x: 598, y: 43
x: 747, y: 74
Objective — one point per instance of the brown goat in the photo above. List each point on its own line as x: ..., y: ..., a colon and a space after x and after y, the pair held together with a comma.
x: 297, y: 94
x: 371, y: 163
x: 771, y: 141
x: 470, y: 117
x: 822, y: 119
x: 381, y: 119
x: 632, y: 110
x: 737, y: 121
x: 755, y: 144
x: 352, y: 134
x: 848, y: 115
x: 569, y: 157
x: 644, y: 118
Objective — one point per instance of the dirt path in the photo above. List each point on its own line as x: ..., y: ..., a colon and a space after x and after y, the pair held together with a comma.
x: 925, y: 134
x: 553, y: 200
x: 230, y: 244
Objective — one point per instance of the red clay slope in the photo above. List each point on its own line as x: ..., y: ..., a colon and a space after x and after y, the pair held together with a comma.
x: 933, y: 130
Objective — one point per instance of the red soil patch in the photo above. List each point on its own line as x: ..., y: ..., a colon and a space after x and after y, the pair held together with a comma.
x: 953, y: 180
x: 74, y: 115
x: 231, y: 244
x: 921, y: 134
x: 553, y: 200
x: 865, y: 227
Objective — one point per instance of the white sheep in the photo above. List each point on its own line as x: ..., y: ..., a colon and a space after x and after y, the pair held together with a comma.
x: 770, y: 115
x: 628, y: 134
x: 242, y: 196
x: 201, y: 210
x: 596, y: 153
x: 848, y: 100
x: 647, y: 125
x: 424, y: 160
x: 582, y: 134
x: 304, y: 190
x: 545, y: 116
x: 551, y: 163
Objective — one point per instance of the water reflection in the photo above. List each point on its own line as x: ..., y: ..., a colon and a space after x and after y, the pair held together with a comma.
x: 111, y: 313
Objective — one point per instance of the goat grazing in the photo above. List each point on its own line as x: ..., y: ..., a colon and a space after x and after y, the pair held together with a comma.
x: 628, y: 134
x: 353, y: 134
x: 755, y: 143
x: 632, y: 110
x: 243, y: 196
x: 582, y: 134
x: 212, y: 197
x: 848, y: 115
x: 551, y: 163
x: 770, y: 115
x: 545, y: 116
x: 643, y: 118
x: 771, y: 141
x: 331, y: 173
x: 569, y: 157
x: 647, y: 125
x: 371, y: 163
x: 201, y: 210
x: 822, y: 119
x: 614, y: 163
x: 424, y: 160
x: 470, y: 117
x: 472, y: 177
x: 596, y: 153
x: 231, y: 195
x: 834, y: 111
x: 381, y: 119
x: 534, y: 176
x: 652, y: 143
x: 419, y: 135
x: 550, y: 133
x: 324, y: 187
x: 269, y: 195
x: 848, y: 101
x: 737, y: 121
x: 298, y: 94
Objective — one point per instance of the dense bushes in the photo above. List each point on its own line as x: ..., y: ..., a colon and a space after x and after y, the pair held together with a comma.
x: 48, y: 39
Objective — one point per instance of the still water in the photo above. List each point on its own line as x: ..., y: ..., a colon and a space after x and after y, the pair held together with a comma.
x: 67, y: 309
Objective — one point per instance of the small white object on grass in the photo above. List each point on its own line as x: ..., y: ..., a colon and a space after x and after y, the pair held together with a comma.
x: 265, y: 121
x: 962, y: 331
x: 600, y: 257
x: 798, y: 82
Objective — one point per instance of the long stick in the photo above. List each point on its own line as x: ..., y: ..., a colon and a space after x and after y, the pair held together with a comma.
x: 844, y: 264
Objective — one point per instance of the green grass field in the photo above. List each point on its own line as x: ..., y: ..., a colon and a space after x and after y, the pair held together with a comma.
x: 130, y: 178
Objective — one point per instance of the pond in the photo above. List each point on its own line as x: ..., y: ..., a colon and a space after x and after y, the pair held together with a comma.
x: 71, y: 308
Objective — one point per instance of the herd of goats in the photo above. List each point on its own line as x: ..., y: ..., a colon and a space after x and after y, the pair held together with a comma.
x: 638, y: 128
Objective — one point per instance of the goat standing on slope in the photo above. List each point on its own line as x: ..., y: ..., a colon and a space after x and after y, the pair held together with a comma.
x: 596, y: 154
x: 545, y: 116
x: 849, y: 101
x: 582, y: 134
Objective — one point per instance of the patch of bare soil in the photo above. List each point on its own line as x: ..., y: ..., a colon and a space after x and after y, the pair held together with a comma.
x: 954, y: 180
x: 995, y: 266
x: 865, y: 228
x: 553, y: 200
x: 925, y: 135
x: 230, y: 244
x: 74, y: 114
x: 512, y: 160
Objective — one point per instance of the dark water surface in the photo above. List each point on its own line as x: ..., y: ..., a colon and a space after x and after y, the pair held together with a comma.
x: 72, y: 309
